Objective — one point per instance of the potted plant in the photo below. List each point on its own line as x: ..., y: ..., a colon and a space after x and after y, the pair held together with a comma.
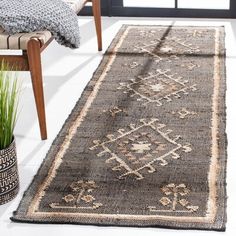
x: 9, y: 94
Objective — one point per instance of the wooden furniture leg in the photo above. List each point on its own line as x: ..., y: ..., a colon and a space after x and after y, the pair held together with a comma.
x: 96, y: 6
x: 34, y: 58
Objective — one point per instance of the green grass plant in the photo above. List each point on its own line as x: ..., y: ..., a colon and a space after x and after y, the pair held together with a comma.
x: 9, y: 98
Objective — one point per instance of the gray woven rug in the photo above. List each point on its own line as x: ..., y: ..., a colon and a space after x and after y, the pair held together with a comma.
x: 146, y: 143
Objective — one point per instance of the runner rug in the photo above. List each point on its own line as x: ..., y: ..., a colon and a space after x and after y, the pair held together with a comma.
x: 145, y: 145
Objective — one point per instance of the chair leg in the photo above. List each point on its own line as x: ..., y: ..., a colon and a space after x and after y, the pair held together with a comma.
x: 33, y: 51
x: 97, y: 18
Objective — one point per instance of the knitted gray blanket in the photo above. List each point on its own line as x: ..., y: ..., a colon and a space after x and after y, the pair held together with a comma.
x: 36, y: 15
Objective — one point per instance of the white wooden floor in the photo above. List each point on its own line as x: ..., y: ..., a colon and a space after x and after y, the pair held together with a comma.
x: 66, y: 73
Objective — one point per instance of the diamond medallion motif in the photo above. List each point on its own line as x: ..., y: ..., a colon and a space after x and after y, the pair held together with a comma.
x: 136, y: 150
x: 158, y: 88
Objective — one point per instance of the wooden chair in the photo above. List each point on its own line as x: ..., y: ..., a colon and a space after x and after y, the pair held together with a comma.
x: 32, y: 44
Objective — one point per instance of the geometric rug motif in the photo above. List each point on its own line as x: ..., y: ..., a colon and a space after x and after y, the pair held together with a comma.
x: 140, y: 147
x: 157, y: 88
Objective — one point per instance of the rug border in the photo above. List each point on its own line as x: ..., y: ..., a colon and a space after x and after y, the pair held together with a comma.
x: 79, y: 105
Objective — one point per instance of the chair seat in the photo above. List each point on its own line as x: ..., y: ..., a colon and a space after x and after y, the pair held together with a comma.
x: 76, y: 5
x: 20, y: 40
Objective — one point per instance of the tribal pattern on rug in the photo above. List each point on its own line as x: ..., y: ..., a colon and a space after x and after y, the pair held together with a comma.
x: 146, y: 144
